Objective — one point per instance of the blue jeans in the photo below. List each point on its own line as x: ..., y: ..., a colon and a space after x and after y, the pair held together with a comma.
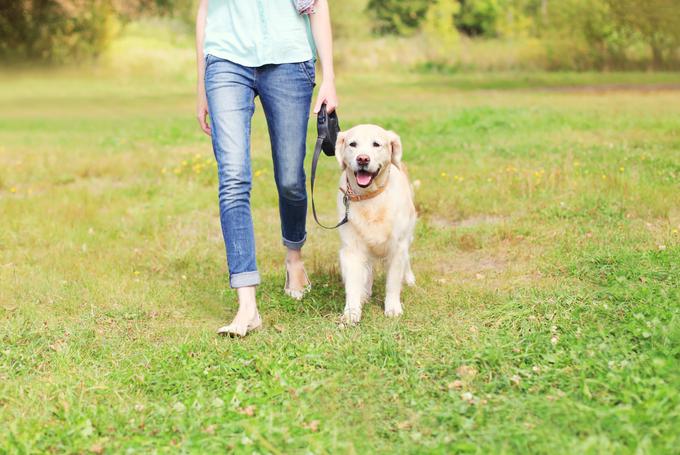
x: 285, y: 91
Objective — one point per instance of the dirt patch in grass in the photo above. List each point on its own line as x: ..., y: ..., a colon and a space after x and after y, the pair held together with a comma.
x: 470, y: 222
x: 503, y: 266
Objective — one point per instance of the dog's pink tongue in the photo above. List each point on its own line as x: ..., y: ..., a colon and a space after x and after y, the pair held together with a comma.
x: 363, y: 178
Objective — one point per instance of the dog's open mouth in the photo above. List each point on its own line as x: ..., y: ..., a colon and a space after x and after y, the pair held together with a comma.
x: 364, y: 178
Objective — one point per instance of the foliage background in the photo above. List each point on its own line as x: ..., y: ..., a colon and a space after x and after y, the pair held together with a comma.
x: 444, y: 35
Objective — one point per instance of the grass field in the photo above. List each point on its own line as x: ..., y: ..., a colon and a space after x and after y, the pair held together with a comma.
x: 546, y: 317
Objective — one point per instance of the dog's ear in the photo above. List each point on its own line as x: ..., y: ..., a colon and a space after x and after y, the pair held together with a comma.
x: 340, y: 149
x: 395, y: 147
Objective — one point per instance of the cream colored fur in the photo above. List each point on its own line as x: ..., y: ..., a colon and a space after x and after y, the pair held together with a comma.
x: 380, y: 228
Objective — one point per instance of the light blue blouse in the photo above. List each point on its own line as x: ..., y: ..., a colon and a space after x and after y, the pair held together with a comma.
x: 257, y: 32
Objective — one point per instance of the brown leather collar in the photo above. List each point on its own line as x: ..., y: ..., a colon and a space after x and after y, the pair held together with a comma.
x: 352, y: 196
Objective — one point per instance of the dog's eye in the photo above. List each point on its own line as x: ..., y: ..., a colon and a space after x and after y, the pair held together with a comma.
x: 353, y: 144
x: 375, y: 144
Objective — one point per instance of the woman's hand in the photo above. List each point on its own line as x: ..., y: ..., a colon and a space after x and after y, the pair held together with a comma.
x: 202, y: 112
x: 326, y: 95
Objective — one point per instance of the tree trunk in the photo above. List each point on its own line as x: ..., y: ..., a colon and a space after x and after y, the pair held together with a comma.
x: 657, y: 56
x: 544, y: 12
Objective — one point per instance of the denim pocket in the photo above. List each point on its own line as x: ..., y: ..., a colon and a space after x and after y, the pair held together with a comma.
x: 309, y: 70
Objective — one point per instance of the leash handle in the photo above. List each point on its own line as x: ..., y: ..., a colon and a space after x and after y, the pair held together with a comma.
x: 315, y: 162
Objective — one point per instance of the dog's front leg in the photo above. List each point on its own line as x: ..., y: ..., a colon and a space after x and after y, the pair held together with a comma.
x: 354, y: 273
x: 368, y: 287
x: 395, y: 273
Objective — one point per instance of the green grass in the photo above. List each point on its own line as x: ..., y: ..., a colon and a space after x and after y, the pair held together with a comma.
x: 546, y: 317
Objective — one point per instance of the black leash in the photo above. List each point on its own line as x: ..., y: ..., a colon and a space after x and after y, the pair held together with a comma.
x: 328, y: 128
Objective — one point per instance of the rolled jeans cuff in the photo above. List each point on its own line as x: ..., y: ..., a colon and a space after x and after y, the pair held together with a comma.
x: 239, y: 280
x: 295, y: 245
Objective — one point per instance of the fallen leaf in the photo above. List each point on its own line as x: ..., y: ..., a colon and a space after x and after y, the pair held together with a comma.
x: 248, y: 410
x: 406, y: 425
x: 311, y: 426
x: 466, y: 372
x: 457, y: 384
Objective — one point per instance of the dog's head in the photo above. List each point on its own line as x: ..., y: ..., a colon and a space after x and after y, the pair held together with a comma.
x: 367, y: 151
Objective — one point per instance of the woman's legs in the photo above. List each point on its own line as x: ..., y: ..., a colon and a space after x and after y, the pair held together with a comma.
x: 286, y: 94
x: 231, y: 92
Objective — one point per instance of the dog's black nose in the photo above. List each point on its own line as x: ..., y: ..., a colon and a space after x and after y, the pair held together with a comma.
x: 363, y: 160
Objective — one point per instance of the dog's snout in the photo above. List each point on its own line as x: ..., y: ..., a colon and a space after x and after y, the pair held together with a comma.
x: 363, y: 160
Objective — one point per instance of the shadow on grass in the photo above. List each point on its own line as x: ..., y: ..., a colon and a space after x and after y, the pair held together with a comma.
x: 327, y: 297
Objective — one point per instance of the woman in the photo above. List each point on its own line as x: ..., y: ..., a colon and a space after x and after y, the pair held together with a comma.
x: 245, y: 49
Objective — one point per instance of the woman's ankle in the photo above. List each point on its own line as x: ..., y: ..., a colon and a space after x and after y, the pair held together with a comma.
x: 246, y: 298
x: 293, y: 257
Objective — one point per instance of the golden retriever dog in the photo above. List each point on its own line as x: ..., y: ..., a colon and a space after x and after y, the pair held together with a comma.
x: 381, y: 216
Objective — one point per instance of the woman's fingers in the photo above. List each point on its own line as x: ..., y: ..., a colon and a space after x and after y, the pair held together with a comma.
x: 319, y: 103
x: 326, y: 95
x: 203, y: 121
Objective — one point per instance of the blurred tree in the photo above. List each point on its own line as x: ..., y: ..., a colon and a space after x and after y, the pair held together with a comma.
x: 349, y: 19
x: 65, y: 30
x: 439, y: 30
x: 480, y: 17
x: 606, y: 34
x: 133, y: 9
x: 580, y: 34
x: 655, y: 22
x: 401, y: 17
x: 54, y: 30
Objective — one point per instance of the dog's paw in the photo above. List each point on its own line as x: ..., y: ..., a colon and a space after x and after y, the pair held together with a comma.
x: 410, y: 279
x: 350, y: 316
x: 393, y: 311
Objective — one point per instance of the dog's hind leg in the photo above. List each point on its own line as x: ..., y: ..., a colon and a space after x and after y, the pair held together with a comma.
x: 395, y: 274
x: 354, y: 273
x: 409, y: 277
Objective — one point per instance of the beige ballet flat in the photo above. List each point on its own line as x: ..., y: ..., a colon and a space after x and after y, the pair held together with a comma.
x: 297, y: 294
x: 233, y: 331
